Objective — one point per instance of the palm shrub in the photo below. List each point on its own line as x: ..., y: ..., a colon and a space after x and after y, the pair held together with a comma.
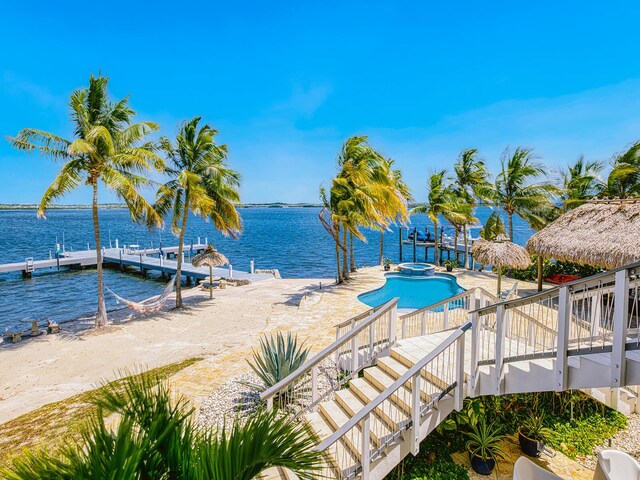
x: 156, y: 438
x: 485, y: 441
x: 276, y: 358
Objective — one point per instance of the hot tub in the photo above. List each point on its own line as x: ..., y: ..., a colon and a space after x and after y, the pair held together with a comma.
x: 424, y: 269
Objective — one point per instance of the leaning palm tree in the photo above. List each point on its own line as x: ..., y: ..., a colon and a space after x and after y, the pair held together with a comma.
x: 471, y: 184
x: 157, y: 437
x: 624, y: 179
x: 441, y: 200
x: 107, y: 149
x: 580, y: 182
x: 201, y: 183
x: 515, y: 190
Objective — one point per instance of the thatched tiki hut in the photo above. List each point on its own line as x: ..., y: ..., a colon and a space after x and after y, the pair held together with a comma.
x: 600, y: 233
x: 211, y: 258
x: 500, y: 253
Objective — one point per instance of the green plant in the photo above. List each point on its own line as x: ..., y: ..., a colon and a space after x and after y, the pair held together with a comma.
x: 485, y: 441
x: 450, y: 263
x: 156, y: 437
x: 533, y: 428
x: 387, y: 262
x: 277, y: 358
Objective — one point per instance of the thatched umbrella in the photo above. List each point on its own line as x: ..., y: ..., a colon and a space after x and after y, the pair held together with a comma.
x: 599, y: 233
x: 212, y: 258
x: 500, y: 253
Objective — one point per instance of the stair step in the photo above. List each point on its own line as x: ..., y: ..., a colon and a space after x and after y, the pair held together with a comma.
x: 389, y: 410
x: 338, y: 456
x: 410, y: 356
x: 382, y: 380
x: 396, y: 369
x: 336, y: 416
x: 352, y: 404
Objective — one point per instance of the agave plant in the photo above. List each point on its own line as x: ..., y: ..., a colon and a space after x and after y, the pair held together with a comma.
x: 277, y: 358
x: 485, y: 441
x: 156, y: 438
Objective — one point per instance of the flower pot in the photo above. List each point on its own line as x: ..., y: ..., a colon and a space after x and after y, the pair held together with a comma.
x: 449, y: 268
x: 387, y: 268
x: 530, y: 446
x: 483, y: 467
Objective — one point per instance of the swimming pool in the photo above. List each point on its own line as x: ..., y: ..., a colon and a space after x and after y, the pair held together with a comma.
x: 414, y: 291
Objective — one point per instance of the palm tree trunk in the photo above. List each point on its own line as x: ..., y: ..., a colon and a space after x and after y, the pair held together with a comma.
x: 101, y: 315
x: 380, y: 256
x: 466, y: 247
x: 510, y: 215
x: 455, y: 243
x: 352, y: 258
x: 436, y: 257
x: 345, y: 259
x: 185, y: 215
x: 339, y: 278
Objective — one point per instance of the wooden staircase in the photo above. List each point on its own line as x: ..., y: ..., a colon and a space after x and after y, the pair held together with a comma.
x: 385, y: 395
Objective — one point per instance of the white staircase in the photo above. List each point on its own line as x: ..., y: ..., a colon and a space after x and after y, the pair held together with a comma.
x: 370, y: 398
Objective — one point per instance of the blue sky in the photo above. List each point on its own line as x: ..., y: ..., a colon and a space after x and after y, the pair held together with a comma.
x: 286, y: 83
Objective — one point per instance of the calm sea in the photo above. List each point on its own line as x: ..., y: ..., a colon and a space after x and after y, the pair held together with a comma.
x: 290, y: 239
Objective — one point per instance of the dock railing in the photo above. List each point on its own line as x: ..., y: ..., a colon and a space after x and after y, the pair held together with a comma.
x: 338, y: 363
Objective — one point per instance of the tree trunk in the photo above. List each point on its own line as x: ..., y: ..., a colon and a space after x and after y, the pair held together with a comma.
x: 352, y: 258
x: 185, y: 215
x: 510, y: 215
x: 540, y: 264
x: 436, y: 256
x: 466, y: 247
x: 345, y: 255
x: 101, y: 315
x: 381, y: 254
x: 339, y: 278
x: 455, y: 243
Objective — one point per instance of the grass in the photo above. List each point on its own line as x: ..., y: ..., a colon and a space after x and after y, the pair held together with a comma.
x: 53, y: 423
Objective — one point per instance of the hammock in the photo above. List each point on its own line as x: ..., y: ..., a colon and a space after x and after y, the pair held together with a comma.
x: 152, y: 304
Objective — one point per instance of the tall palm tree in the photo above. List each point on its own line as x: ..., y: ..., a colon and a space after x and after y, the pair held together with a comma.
x: 441, y: 200
x: 156, y: 437
x: 515, y: 190
x: 471, y: 183
x: 106, y: 149
x: 580, y: 182
x: 624, y: 179
x: 402, y: 215
x: 201, y: 183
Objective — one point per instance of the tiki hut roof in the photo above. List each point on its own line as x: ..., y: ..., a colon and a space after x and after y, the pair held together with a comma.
x: 210, y: 258
x: 500, y: 253
x: 600, y: 233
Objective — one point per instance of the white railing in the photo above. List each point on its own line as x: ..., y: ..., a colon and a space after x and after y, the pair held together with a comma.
x: 352, y: 448
x: 445, y: 314
x: 350, y: 324
x: 338, y: 363
x: 593, y: 315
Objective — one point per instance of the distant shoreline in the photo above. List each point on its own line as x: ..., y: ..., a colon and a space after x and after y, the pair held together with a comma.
x: 107, y: 206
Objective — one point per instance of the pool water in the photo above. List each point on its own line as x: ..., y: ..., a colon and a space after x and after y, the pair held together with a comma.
x: 414, y: 292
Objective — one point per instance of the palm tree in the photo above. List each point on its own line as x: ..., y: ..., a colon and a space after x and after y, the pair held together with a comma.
x: 471, y: 180
x: 624, y: 179
x: 516, y: 193
x: 157, y: 437
x: 441, y: 200
x: 201, y: 183
x: 106, y: 149
x: 404, y: 192
x: 580, y: 182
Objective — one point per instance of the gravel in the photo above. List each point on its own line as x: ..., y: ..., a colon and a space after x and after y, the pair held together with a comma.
x: 626, y: 440
x: 234, y: 399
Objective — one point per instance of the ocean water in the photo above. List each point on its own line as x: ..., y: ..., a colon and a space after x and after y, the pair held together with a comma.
x: 290, y: 239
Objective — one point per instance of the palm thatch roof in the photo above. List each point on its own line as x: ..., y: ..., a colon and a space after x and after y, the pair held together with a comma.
x: 500, y: 253
x: 210, y: 258
x: 600, y: 233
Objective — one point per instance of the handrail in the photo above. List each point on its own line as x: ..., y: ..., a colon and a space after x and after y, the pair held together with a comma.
x: 285, y: 382
x: 400, y: 382
x: 360, y: 316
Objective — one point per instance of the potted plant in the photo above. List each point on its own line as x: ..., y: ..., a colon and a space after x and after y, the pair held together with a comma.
x: 450, y: 265
x: 387, y: 264
x: 532, y: 435
x: 484, y: 446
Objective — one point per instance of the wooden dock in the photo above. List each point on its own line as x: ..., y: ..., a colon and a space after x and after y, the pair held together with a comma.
x: 145, y: 259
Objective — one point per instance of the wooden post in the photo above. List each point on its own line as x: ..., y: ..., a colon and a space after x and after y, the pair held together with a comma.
x: 366, y: 447
x: 475, y: 350
x: 415, y: 234
x: 400, y: 232
x: 459, y: 394
x: 499, y: 280
x: 499, y: 348
x: 210, y: 282
x: 415, y: 414
x: 620, y: 319
x: 540, y: 262
x: 564, y: 329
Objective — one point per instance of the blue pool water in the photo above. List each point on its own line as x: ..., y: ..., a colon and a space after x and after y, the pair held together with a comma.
x: 414, y: 292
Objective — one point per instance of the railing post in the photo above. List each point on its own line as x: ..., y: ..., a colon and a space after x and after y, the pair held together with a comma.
x: 403, y: 328
x: 371, y: 340
x: 393, y: 321
x: 314, y: 384
x: 445, y: 316
x: 596, y: 311
x: 475, y: 351
x: 459, y: 398
x: 269, y: 404
x: 423, y: 323
x: 354, y: 353
x: 564, y: 329
x: 499, y: 348
x: 366, y: 446
x: 620, y: 320
x: 415, y: 414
